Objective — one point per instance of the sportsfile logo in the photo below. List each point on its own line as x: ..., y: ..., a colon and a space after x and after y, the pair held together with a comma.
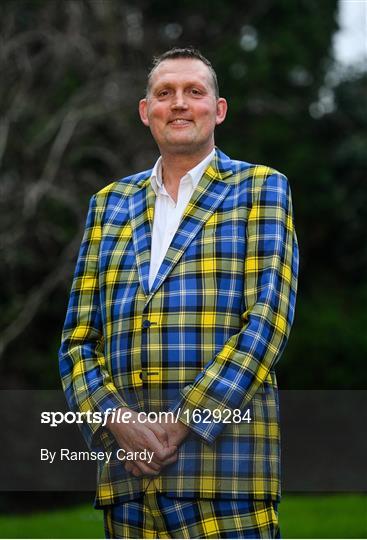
x: 55, y: 418
x: 197, y: 416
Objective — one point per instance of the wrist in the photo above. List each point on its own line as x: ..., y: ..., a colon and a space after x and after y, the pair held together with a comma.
x: 117, y: 417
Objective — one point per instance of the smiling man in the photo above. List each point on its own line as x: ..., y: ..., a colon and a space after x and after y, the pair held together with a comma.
x: 181, y: 306
x: 182, y: 108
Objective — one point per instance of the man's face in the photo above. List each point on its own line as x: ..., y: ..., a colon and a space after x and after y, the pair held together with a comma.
x: 181, y: 109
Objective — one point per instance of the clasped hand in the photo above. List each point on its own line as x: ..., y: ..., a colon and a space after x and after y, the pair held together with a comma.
x: 163, y: 439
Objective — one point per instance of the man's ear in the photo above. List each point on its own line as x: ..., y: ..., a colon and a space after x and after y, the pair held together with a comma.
x: 143, y: 110
x: 222, y: 108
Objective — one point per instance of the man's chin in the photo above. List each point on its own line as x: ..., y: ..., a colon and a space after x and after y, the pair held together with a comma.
x: 183, y: 147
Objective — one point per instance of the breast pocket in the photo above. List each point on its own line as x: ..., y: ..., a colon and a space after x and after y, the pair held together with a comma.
x: 221, y: 245
x: 213, y: 265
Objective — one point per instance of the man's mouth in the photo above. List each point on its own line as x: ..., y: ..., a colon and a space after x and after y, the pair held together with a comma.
x: 180, y: 121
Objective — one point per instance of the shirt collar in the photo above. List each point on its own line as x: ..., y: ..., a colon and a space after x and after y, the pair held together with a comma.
x: 194, y: 174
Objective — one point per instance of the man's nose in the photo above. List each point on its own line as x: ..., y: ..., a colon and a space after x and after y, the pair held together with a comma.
x: 179, y: 101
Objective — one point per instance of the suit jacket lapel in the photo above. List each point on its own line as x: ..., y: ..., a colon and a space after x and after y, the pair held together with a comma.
x: 208, y: 195
x: 141, y: 210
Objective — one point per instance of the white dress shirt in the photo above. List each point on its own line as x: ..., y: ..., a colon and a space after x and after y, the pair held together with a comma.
x: 167, y: 213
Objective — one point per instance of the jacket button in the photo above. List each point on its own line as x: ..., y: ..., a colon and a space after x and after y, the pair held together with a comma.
x: 146, y: 323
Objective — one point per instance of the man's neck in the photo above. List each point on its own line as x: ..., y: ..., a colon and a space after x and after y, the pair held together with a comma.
x: 175, y: 166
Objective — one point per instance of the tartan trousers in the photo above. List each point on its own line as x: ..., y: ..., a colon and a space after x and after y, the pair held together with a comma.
x: 154, y: 515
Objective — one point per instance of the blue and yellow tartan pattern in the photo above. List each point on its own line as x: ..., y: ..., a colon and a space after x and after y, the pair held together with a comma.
x: 206, y: 336
x: 154, y: 515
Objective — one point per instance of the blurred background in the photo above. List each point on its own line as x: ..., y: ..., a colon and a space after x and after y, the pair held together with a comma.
x: 295, y: 75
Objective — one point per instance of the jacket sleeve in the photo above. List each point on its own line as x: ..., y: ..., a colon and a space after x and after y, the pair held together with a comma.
x: 86, y: 380
x: 232, y: 377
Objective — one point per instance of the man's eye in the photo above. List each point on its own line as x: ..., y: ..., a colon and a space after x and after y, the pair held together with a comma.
x: 163, y: 93
x: 195, y: 91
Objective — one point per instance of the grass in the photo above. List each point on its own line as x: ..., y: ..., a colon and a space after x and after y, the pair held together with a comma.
x: 78, y: 522
x: 301, y: 516
x: 323, y: 516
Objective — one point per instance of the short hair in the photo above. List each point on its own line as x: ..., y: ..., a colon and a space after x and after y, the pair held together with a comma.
x: 186, y: 52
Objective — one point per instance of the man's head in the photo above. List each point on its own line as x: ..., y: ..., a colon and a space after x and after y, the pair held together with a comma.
x: 182, y: 106
x: 187, y: 52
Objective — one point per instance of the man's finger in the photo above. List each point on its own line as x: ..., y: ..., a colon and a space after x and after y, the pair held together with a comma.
x: 159, y: 432
x: 149, y: 441
x: 170, y: 460
x: 154, y: 465
x: 162, y: 454
x: 146, y: 469
x: 167, y: 461
x: 135, y: 471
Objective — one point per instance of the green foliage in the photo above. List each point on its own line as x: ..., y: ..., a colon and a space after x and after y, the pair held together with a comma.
x: 329, y: 341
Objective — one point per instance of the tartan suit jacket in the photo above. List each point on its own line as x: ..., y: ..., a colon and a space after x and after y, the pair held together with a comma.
x: 205, y: 337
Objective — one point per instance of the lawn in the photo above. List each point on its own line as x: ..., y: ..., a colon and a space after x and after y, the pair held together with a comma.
x: 301, y: 516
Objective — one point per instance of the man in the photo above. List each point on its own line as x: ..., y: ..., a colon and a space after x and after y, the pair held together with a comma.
x: 182, y: 302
